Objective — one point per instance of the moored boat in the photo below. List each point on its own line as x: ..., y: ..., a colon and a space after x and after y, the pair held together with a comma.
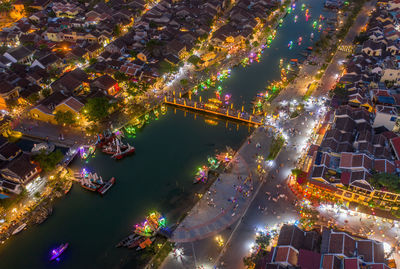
x: 137, y: 240
x: 145, y: 243
x: 56, y: 253
x: 106, y: 186
x: 68, y: 187
x: 120, y: 154
x: 19, y: 228
x: 201, y: 175
x: 127, y: 241
x: 89, y: 186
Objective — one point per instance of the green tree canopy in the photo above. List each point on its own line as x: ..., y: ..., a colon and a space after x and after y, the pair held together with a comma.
x: 194, y: 59
x: 385, y: 180
x: 45, y: 92
x: 67, y: 118
x: 340, y: 91
x: 117, y: 30
x: 92, y: 61
x: 120, y: 77
x: 183, y: 82
x: 48, y: 161
x: 33, y: 98
x: 96, y: 109
x: 263, y: 240
x: 166, y: 67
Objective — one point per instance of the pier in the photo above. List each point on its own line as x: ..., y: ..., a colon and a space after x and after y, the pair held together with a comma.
x: 212, y: 108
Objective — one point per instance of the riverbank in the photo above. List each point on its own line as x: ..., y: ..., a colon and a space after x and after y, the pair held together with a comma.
x: 37, y: 210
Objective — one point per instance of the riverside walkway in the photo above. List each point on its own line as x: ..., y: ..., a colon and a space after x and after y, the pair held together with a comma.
x: 213, y: 109
x: 228, y: 197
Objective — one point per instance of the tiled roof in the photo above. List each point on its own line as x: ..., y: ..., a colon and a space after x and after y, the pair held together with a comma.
x: 309, y: 259
x: 395, y: 142
x: 72, y: 103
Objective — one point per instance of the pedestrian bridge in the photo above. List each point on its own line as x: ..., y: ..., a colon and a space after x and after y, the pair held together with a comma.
x: 212, y: 108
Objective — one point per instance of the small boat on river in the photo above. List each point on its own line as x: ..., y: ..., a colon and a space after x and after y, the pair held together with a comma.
x: 106, y: 186
x: 19, y: 228
x: 122, y: 153
x: 56, y: 253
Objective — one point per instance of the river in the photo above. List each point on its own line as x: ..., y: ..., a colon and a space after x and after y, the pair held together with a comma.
x: 158, y: 177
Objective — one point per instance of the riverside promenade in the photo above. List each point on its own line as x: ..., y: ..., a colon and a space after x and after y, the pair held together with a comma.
x: 229, y: 196
x: 56, y: 134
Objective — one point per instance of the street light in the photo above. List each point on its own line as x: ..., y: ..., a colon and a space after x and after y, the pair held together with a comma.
x: 220, y: 240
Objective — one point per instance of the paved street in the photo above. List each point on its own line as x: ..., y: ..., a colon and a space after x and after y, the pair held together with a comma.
x: 44, y: 131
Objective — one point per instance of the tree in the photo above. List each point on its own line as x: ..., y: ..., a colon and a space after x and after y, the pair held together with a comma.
x: 152, y: 24
x: 203, y: 37
x: 183, y: 82
x: 43, y: 46
x: 166, y: 67
x: 33, y: 98
x: 92, y: 61
x: 361, y: 38
x: 263, y: 240
x: 65, y: 118
x: 248, y: 262
x: 96, y: 109
x: 120, y: 77
x: 340, y: 91
x: 194, y: 59
x: 81, y: 60
x: 45, y: 92
x: 386, y: 180
x: 133, y: 53
x: 210, y: 48
x: 5, y: 6
x: 117, y: 30
x: 11, y: 103
x: 255, y: 44
x: 48, y: 161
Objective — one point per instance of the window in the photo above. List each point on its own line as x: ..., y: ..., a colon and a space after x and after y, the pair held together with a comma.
x: 393, y: 118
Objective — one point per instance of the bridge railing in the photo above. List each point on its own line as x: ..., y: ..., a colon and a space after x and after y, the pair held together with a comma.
x: 222, y: 111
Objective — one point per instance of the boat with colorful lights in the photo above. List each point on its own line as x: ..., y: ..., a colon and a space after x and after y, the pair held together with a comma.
x: 290, y: 45
x: 111, y: 147
x: 299, y: 40
x: 103, y: 139
x: 56, y: 253
x: 201, y: 175
x: 145, y: 243
x: 90, y: 181
x: 122, y: 153
x: 106, y: 186
x: 154, y: 221
x: 89, y: 186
